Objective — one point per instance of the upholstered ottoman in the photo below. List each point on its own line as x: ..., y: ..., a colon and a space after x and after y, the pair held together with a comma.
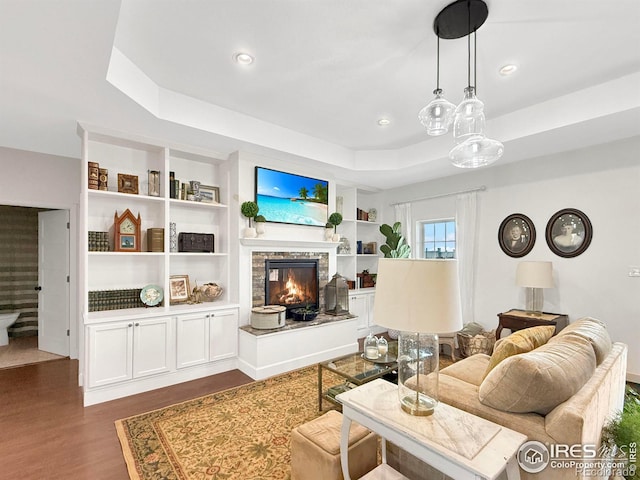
x: 315, y: 449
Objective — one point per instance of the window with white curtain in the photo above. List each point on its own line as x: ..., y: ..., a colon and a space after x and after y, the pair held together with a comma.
x: 437, y: 238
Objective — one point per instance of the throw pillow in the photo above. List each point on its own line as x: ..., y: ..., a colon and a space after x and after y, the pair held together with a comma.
x: 593, y: 330
x: 540, y: 380
x: 522, y: 341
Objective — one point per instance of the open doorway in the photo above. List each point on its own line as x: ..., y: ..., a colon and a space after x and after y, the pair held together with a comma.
x: 32, y: 284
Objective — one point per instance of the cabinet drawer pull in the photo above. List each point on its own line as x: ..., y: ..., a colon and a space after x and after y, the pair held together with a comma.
x: 137, y: 324
x: 130, y: 325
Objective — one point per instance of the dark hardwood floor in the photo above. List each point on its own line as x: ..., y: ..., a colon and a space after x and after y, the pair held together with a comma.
x: 46, y: 433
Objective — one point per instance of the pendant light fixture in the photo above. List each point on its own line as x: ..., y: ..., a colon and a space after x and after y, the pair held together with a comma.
x: 473, y: 149
x: 437, y: 116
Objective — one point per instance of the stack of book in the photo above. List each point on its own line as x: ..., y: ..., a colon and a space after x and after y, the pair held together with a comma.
x: 114, y: 299
x: 155, y: 239
x: 362, y: 215
x: 94, y: 175
x: 98, y: 241
x: 103, y: 179
x: 338, y: 389
x: 180, y: 190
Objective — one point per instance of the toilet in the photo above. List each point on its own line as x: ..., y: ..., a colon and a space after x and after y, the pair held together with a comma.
x: 6, y: 320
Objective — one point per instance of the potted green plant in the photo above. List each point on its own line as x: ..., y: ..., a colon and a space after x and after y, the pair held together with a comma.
x: 622, y: 431
x: 396, y: 245
x: 328, y: 231
x: 249, y: 210
x: 260, y: 221
x: 335, y: 219
x: 304, y: 314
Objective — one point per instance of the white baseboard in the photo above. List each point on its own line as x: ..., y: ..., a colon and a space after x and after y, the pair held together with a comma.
x: 153, y: 382
x: 266, y: 371
x: 633, y: 377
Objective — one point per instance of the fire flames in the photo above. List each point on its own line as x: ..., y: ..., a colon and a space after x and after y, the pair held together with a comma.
x: 293, y: 293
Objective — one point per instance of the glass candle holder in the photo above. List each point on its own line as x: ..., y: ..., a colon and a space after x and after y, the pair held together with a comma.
x: 371, y: 347
x: 383, y: 346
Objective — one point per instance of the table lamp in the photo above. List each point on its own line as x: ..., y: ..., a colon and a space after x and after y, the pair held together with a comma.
x: 420, y: 298
x: 534, y: 276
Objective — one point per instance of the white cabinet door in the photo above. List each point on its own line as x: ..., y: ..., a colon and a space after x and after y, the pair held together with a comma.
x: 359, y: 306
x: 370, y: 298
x: 192, y: 339
x: 152, y: 352
x: 110, y: 353
x: 223, y: 334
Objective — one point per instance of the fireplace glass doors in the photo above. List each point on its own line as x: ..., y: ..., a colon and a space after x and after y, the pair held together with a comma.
x: 292, y: 283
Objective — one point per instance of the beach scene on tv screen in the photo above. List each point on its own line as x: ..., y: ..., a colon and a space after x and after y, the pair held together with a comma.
x: 288, y: 198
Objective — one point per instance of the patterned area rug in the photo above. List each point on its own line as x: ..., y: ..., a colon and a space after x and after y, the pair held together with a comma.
x: 241, y: 433
x: 238, y: 434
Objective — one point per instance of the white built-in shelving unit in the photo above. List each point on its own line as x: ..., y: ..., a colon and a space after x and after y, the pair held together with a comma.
x: 349, y: 265
x: 136, y: 349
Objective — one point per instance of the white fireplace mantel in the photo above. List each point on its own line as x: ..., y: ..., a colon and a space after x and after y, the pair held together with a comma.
x: 280, y: 243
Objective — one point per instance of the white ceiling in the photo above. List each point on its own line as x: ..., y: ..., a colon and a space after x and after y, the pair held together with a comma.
x: 325, y: 72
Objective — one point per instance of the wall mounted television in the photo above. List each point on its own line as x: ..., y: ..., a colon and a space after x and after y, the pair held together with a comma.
x: 288, y: 198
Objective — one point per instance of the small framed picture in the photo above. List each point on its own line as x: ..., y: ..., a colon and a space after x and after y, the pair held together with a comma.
x: 128, y: 242
x: 209, y: 194
x: 370, y: 248
x: 569, y: 233
x: 127, y: 183
x: 179, y: 289
x: 516, y: 235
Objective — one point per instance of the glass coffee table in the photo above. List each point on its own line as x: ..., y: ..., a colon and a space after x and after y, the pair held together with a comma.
x: 353, y: 370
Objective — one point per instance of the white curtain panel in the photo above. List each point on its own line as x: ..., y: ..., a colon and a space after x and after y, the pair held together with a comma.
x: 403, y: 215
x: 466, y: 247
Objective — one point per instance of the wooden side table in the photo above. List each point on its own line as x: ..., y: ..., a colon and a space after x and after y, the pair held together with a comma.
x: 520, y: 319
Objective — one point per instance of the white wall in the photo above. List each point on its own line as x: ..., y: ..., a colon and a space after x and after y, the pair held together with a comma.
x: 604, y: 183
x: 33, y: 179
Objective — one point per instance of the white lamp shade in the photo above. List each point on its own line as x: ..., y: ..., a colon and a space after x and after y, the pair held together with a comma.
x: 534, y: 274
x: 418, y: 295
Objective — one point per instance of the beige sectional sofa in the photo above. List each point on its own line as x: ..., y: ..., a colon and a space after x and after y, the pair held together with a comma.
x: 561, y: 392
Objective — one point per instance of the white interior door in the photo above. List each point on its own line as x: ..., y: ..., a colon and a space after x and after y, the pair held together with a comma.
x: 53, y: 281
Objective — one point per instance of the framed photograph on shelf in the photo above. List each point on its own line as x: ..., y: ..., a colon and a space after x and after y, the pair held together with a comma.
x: 370, y: 248
x: 179, y: 289
x: 516, y: 235
x: 209, y: 194
x: 569, y: 233
x: 127, y: 183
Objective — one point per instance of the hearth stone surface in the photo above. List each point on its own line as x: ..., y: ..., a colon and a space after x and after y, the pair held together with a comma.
x: 290, y: 324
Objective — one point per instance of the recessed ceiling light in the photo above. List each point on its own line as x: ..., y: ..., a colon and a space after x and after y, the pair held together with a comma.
x: 383, y: 122
x: 243, y: 58
x: 508, y: 69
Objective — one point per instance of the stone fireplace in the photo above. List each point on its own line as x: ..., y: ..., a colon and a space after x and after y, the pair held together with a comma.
x: 292, y: 279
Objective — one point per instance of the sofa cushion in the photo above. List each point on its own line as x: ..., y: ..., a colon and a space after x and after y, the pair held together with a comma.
x: 593, y: 330
x: 469, y: 370
x: 539, y: 380
x: 522, y: 341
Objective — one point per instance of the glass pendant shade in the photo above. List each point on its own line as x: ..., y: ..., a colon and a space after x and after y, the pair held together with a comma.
x: 469, y: 117
x: 473, y: 149
x: 477, y: 151
x: 437, y: 116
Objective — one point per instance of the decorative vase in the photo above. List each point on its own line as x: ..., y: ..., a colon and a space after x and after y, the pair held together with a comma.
x: 260, y: 228
x: 173, y: 237
x: 250, y: 232
x: 335, y: 237
x: 328, y: 234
